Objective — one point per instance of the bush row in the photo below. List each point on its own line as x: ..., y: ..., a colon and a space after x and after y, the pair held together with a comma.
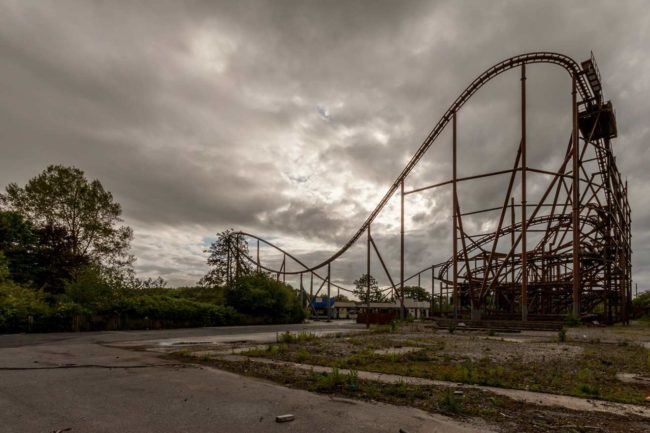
x: 23, y: 309
x: 94, y: 305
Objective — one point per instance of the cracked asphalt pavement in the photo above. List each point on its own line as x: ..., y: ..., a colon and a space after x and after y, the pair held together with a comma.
x: 98, y: 382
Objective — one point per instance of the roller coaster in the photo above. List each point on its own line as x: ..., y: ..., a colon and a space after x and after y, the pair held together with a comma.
x: 579, y: 261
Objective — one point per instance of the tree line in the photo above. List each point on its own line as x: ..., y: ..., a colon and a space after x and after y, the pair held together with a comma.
x: 65, y: 263
x: 372, y: 293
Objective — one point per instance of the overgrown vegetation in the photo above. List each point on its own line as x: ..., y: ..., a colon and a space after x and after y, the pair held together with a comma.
x: 642, y: 305
x: 92, y: 303
x: 262, y: 299
x: 511, y: 416
x: 65, y: 265
x: 588, y: 369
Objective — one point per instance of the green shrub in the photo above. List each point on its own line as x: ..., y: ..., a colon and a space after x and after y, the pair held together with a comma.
x: 17, y: 304
x: 209, y: 295
x: 170, y: 308
x: 266, y: 299
x: 90, y: 302
x: 97, y: 300
x: 381, y: 329
x: 91, y: 289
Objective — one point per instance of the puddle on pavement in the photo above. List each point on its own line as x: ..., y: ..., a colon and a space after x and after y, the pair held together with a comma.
x: 181, y: 343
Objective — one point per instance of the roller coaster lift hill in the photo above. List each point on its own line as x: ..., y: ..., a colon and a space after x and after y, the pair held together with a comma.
x: 579, y: 261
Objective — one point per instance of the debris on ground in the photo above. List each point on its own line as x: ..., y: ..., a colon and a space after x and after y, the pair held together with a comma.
x: 284, y: 418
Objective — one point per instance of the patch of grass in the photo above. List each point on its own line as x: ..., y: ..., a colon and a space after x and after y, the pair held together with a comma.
x: 329, y: 381
x: 182, y: 353
x: 561, y: 335
x: 588, y: 390
x: 335, y: 381
x: 420, y: 355
x: 449, y: 402
x: 382, y: 329
x: 399, y: 389
x: 302, y: 355
x: 275, y: 349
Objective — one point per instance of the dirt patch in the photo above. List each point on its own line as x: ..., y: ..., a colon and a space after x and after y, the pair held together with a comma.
x: 506, y: 350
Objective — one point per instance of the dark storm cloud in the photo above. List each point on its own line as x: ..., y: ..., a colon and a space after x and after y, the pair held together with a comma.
x: 292, y: 118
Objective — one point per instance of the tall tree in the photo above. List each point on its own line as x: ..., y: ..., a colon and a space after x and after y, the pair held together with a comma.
x: 55, y: 260
x: 41, y: 257
x: 19, y: 245
x: 361, y: 290
x: 226, y: 259
x: 417, y: 293
x: 63, y: 199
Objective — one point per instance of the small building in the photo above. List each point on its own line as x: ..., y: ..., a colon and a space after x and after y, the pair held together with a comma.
x: 319, y: 306
x: 417, y: 309
x: 345, y: 310
x: 383, y: 312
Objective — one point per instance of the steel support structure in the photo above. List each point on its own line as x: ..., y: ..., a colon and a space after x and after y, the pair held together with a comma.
x: 566, y: 253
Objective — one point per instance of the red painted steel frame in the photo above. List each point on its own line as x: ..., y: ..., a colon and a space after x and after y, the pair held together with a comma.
x: 580, y: 266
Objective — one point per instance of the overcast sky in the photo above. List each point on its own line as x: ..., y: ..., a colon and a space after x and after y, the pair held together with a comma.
x: 290, y: 119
